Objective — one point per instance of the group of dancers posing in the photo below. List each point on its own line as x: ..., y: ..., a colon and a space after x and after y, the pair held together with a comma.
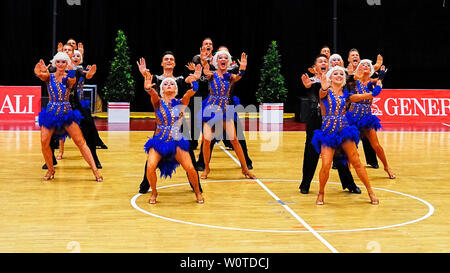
x: 341, y: 101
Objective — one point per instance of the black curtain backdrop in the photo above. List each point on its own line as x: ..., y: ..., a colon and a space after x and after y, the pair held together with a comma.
x: 412, y: 36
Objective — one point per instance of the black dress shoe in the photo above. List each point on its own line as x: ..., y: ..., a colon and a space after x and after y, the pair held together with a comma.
x: 355, y: 190
x: 99, y: 166
x: 375, y: 166
x: 143, y: 190
x: 304, y: 191
x: 250, y: 166
x: 102, y: 146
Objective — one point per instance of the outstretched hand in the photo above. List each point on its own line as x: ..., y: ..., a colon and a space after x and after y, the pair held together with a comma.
x: 81, y: 48
x: 243, y: 61
x: 358, y: 75
x: 41, y: 68
x: 142, y: 67
x: 324, y: 82
x: 306, y: 80
x: 190, y: 66
x: 350, y: 69
x: 207, y: 71
x: 148, y: 83
x: 90, y: 71
x: 60, y: 47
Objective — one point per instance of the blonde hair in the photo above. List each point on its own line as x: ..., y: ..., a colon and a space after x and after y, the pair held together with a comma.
x: 60, y: 56
x: 330, y: 72
x: 372, y: 70
x: 161, y: 92
x: 216, y: 56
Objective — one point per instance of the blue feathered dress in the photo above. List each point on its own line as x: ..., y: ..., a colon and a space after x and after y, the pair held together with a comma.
x: 58, y: 113
x: 360, y: 113
x: 167, y: 136
x: 335, y: 128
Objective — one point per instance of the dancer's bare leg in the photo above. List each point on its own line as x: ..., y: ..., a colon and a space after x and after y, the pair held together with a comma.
x: 373, y: 139
x: 327, y: 154
x: 353, y: 156
x: 152, y: 163
x: 206, y: 138
x: 77, y: 136
x: 232, y: 137
x: 184, y: 159
x: 46, y: 135
x: 61, y: 150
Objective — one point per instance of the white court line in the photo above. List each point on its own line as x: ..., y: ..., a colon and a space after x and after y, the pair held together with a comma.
x: 296, y: 216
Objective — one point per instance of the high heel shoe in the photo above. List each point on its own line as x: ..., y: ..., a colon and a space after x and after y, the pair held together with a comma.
x: 98, y: 176
x: 152, y: 199
x: 248, y: 174
x: 373, y: 199
x: 205, y: 174
x: 390, y: 174
x: 49, y: 175
x: 200, y: 200
x: 319, y: 200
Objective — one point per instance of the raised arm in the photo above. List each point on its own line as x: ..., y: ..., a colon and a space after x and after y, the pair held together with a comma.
x: 242, y: 68
x: 81, y: 49
x: 379, y: 62
x: 90, y: 71
x: 197, y: 74
x: 191, y: 92
x: 306, y: 81
x: 324, y: 86
x: 148, y: 86
x: 143, y: 67
x: 41, y: 71
x: 368, y: 96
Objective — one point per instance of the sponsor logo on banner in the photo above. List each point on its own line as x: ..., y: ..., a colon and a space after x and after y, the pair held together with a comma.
x: 20, y: 103
x: 412, y: 106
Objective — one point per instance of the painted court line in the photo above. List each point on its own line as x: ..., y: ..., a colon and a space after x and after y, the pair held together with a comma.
x: 286, y: 207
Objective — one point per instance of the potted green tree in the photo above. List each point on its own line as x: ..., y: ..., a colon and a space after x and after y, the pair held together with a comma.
x: 119, y: 88
x: 271, y: 92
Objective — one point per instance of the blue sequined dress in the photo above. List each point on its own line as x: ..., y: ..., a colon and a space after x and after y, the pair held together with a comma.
x: 167, y: 136
x: 360, y: 113
x: 216, y: 105
x: 335, y: 128
x: 59, y: 112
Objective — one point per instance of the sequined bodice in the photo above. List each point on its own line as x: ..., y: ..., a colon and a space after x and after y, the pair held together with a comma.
x: 58, y: 96
x: 219, y: 90
x: 335, y: 108
x: 168, y: 121
x: 363, y: 107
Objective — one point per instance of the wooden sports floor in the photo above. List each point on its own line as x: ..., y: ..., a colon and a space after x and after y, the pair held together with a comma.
x: 73, y: 213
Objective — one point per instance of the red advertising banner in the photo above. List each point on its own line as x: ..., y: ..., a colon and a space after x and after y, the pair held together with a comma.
x: 20, y: 103
x: 412, y: 106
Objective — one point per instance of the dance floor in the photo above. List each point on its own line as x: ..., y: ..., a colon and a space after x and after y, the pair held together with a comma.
x: 73, y: 213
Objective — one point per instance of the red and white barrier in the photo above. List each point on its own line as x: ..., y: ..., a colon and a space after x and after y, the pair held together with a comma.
x: 271, y: 112
x: 20, y: 103
x: 118, y: 112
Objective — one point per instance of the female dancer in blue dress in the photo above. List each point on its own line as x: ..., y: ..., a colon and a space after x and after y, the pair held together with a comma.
x: 360, y: 112
x: 215, y: 107
x: 336, y: 132
x: 168, y: 148
x: 59, y: 118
